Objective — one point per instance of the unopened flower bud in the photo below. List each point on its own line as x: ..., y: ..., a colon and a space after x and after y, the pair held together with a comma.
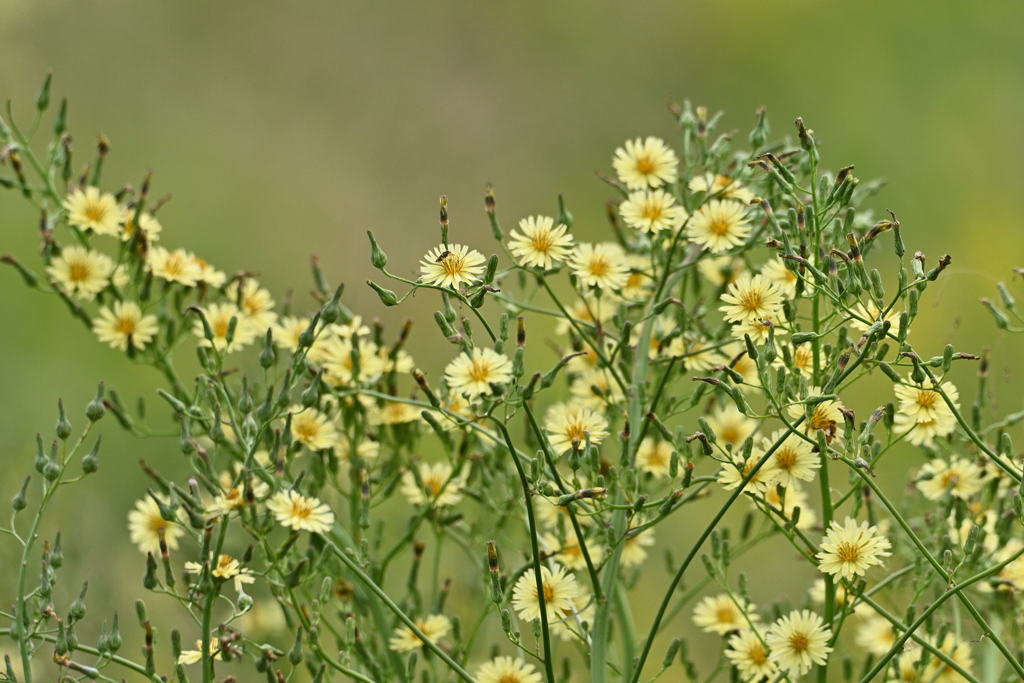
x: 387, y: 297
x: 63, y: 428
x: 20, y: 500
x: 91, y: 462
x: 95, y: 408
x: 377, y: 256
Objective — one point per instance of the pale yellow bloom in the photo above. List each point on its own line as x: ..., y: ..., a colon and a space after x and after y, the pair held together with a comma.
x: 722, y: 270
x: 587, y: 311
x: 751, y: 298
x: 647, y: 163
x: 758, y: 328
x: 719, y: 614
x: 255, y: 303
x: 730, y: 425
x: 924, y: 413
x: 582, y: 390
x: 433, y: 478
x: 654, y: 457
x: 208, y: 274
x: 872, y: 314
x: 218, y: 317
x: 434, y: 627
x: 633, y: 549
x: 732, y: 476
x: 549, y: 513
x: 368, y: 449
x: 174, y: 266
x: 722, y: 185
x: 395, y: 413
x: 749, y: 655
x: 569, y: 553
x: 452, y: 266
x: 849, y: 549
x: 794, y: 497
x: 194, y: 656
x: 601, y: 265
x: 827, y: 415
x: 986, y: 522
x: 559, y: 590
x: 91, y: 210
x: 566, y: 422
x: 652, y: 211
x: 794, y: 460
x: 803, y: 359
x: 719, y: 225
x: 287, y: 331
x: 312, y: 429
x: 639, y: 281
x: 542, y: 244
x: 150, y: 226
x: 82, y: 273
x: 335, y: 354
x: 695, y: 353
x: 507, y: 670
x: 937, y: 671
x: 146, y: 526
x: 125, y: 325
x: 776, y: 272
x: 876, y: 636
x: 473, y: 373
x: 798, y: 640
x: 960, y: 476
x: 298, y: 512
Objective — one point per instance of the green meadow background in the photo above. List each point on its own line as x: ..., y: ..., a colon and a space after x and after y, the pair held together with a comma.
x: 289, y: 129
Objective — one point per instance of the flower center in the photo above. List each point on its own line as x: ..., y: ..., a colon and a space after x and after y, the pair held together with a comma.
x: 452, y: 264
x: 644, y: 165
x: 757, y: 654
x: 549, y: 593
x: 750, y: 299
x: 509, y: 677
x: 802, y: 356
x: 306, y: 429
x: 652, y: 211
x: 725, y: 614
x: 798, y: 642
x: 926, y: 399
x: 719, y: 226
x: 301, y: 508
x: 785, y: 459
x: 599, y: 265
x: 480, y: 370
x: 434, y: 483
x: 95, y: 211
x: 847, y: 552
x: 542, y: 240
x: 78, y: 271
x: 125, y: 324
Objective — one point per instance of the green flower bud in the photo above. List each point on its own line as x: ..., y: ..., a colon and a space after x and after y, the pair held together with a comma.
x: 20, y: 500
x: 387, y: 297
x: 91, y: 462
x: 295, y: 654
x: 77, y: 610
x: 268, y: 356
x: 43, y: 99
x: 63, y: 428
x: 95, y: 408
x: 377, y: 256
x: 57, y: 554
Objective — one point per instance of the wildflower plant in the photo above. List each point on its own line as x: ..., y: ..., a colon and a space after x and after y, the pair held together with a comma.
x: 705, y: 354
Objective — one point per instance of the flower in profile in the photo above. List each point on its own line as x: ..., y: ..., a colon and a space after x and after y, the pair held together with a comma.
x: 473, y: 373
x: 652, y: 211
x: 793, y: 460
x: 633, y: 553
x: 720, y: 614
x: 434, y: 627
x: 751, y: 298
x: 647, y: 163
x: 193, y: 656
x: 542, y: 244
x: 82, y: 273
x: 124, y: 326
x: 849, y: 549
x: 148, y: 223
x: 452, y: 265
x: 733, y: 475
x: 730, y: 425
x: 749, y: 655
x: 875, y: 635
x: 559, y: 590
x: 797, y: 641
x: 924, y: 413
x: 146, y: 527
x: 218, y: 317
x: 313, y: 429
x: 174, y: 266
x: 227, y: 567
x: 960, y: 477
x: 437, y: 479
x: 394, y: 413
x: 601, y: 265
x: 783, y: 278
x: 90, y: 210
x: 721, y: 185
x: 722, y: 270
x: 566, y: 422
x: 507, y: 670
x: 719, y: 225
x: 287, y: 330
x: 654, y: 457
x: 295, y: 511
x: 959, y: 651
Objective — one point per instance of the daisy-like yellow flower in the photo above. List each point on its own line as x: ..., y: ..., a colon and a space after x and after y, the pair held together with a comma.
x: 633, y: 550
x: 335, y: 354
x: 827, y: 415
x: 793, y: 497
x: 937, y: 671
x: 906, y: 668
x: 695, y: 353
x: 608, y: 391
x: 295, y: 511
x: 589, y: 310
x: 730, y: 425
x: 542, y: 244
x: 751, y: 298
x: 960, y: 476
x: 473, y: 374
x: 849, y: 549
x: 507, y: 670
x: 722, y: 185
x: 798, y: 640
x: 146, y: 526
x: 876, y: 636
x: 652, y: 211
x: 208, y: 274
x: 803, y: 359
x: 722, y: 270
x: 148, y: 223
x: 312, y: 429
x: 402, y: 363
x: 749, y: 655
x: 719, y: 225
x: 1011, y: 576
x: 568, y: 625
x: 601, y: 265
x: 287, y: 330
x: 227, y: 567
x: 255, y: 302
x: 758, y: 329
x: 566, y: 422
x: 549, y: 513
x: 82, y: 273
x: 193, y: 656
x: 568, y: 553
x: 452, y: 266
x: 654, y: 457
x: 924, y: 413
x: 125, y: 325
x: 647, y: 163
x: 434, y: 627
x: 783, y: 278
x: 90, y: 210
x: 719, y: 614
x: 434, y: 477
x: 394, y: 413
x: 174, y: 266
x: 793, y: 460
x: 559, y: 590
x: 218, y: 317
x: 732, y: 476
x: 233, y: 497
x: 639, y: 281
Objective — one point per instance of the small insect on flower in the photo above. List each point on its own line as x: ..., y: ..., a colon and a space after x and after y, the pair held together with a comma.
x: 559, y: 590
x: 654, y: 457
x: 90, y: 210
x: 652, y: 211
x: 960, y: 477
x: 600, y: 265
x: 507, y: 670
x: 313, y: 429
x: 124, y: 326
x: 434, y: 627
x: 720, y: 614
x: 751, y: 298
x: 298, y: 512
x: 646, y: 163
x: 719, y: 225
x: 473, y: 374
x: 174, y: 266
x: 218, y: 317
x: 542, y: 244
x: 924, y: 413
x: 452, y: 266
x: 749, y: 655
x: 566, y: 422
x: 798, y: 640
x: 146, y: 526
x: 849, y: 549
x: 82, y: 273
x: 826, y: 416
x: 434, y: 478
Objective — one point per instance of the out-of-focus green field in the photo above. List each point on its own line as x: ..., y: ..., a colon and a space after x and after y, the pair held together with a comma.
x: 287, y: 129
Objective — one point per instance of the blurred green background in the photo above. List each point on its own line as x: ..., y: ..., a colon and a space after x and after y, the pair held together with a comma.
x: 287, y: 129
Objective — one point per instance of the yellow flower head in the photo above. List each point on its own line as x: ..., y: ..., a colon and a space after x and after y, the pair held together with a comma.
x: 924, y: 413
x: 652, y: 211
x: 749, y: 655
x: 850, y: 548
x: 395, y: 413
x: 146, y: 526
x: 960, y: 477
x: 876, y: 636
x: 82, y: 273
x: 148, y: 223
x: 733, y: 475
x: 600, y: 265
x: 783, y: 278
x: 434, y: 627
x: 434, y: 479
x: 287, y: 331
x: 959, y: 651
x: 751, y: 298
x: 721, y: 185
x: 542, y: 244
x: 473, y: 373
x: 218, y: 317
x: 507, y: 670
x: 312, y: 429
x: 720, y: 614
x: 89, y: 210
x: 125, y: 325
x: 722, y: 270
x: 255, y: 303
x: 654, y: 457
x: 798, y: 640
x: 730, y: 425
x: 559, y: 590
x: 719, y: 225
x: 298, y: 512
x: 452, y: 266
x: 645, y: 163
x: 567, y: 422
x: 794, y: 460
